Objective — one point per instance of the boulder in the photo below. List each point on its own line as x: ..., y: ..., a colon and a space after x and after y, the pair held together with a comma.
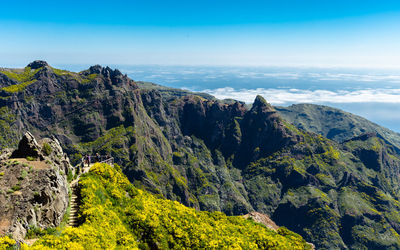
x: 37, y: 64
x: 28, y: 147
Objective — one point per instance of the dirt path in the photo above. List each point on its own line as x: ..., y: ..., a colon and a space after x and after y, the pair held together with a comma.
x: 34, y: 164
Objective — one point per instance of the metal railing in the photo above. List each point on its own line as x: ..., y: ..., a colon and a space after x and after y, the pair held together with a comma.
x: 91, y: 159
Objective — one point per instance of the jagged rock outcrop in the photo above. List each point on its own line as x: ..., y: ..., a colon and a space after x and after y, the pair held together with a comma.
x: 37, y: 64
x: 28, y: 147
x: 34, y: 187
x: 263, y: 219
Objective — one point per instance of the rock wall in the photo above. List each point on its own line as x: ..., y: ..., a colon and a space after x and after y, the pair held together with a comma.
x: 34, y: 187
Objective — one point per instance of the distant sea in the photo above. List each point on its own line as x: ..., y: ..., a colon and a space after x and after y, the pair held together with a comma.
x: 373, y: 94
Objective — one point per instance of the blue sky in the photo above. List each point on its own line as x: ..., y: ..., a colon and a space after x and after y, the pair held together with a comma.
x: 283, y: 33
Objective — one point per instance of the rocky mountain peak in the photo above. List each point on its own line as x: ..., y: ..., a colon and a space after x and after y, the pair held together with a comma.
x: 260, y: 104
x: 96, y: 69
x: 105, y: 71
x: 38, y: 64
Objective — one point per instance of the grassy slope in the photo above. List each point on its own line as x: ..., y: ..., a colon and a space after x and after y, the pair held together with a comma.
x: 168, y: 92
x: 333, y: 123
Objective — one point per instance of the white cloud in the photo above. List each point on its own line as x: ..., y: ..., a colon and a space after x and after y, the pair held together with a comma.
x: 312, y: 75
x: 288, y: 96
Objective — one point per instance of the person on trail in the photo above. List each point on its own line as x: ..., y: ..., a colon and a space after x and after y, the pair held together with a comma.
x: 88, y: 160
x: 98, y: 157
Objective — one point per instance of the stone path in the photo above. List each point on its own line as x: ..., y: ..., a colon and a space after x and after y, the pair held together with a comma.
x: 73, y: 214
x: 74, y: 204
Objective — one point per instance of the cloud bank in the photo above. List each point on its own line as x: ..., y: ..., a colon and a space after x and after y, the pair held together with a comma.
x: 290, y: 96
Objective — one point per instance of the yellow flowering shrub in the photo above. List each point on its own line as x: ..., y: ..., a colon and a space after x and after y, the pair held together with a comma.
x: 115, y: 214
x: 6, y: 242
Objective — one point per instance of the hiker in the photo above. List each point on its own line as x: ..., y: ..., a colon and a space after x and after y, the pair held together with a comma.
x: 85, y: 160
x: 88, y: 160
x: 98, y: 157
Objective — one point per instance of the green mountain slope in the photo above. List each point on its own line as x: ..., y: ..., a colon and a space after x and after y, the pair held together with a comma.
x: 333, y: 123
x: 217, y: 156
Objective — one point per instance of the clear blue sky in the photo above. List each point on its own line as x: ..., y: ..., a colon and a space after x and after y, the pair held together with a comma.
x: 208, y: 32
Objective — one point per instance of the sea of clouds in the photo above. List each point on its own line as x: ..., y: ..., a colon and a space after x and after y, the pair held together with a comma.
x: 291, y: 96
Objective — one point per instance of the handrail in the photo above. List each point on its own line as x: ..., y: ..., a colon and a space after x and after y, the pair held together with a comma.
x: 102, y: 159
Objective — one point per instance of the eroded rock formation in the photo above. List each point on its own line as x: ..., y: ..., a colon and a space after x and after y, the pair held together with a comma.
x: 34, y: 187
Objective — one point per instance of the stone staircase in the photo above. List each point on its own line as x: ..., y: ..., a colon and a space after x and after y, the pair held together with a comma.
x: 74, y: 204
x: 73, y: 214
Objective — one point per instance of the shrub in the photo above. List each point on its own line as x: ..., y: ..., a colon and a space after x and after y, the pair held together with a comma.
x: 24, y: 173
x: 70, y: 176
x: 18, y: 87
x: 16, y: 187
x: 47, y: 149
x: 6, y: 242
x: 31, y: 158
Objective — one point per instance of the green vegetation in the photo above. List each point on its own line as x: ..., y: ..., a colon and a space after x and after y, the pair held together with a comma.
x: 115, y: 214
x: 6, y: 243
x: 70, y: 176
x: 24, y: 173
x: 24, y: 79
x: 168, y: 92
x: 9, y: 135
x: 89, y: 78
x: 31, y: 158
x: 36, y: 232
x: 61, y: 72
x: 46, y: 149
x: 20, y: 76
x: 333, y: 123
x: 16, y: 187
x: 18, y: 87
x: 110, y: 143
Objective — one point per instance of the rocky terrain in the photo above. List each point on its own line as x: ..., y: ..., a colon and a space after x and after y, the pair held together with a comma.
x: 216, y: 155
x: 34, y: 188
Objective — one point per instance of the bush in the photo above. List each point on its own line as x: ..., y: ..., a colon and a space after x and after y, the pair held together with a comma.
x: 6, y: 243
x: 24, y: 173
x: 47, y: 149
x: 31, y: 158
x: 70, y: 176
x: 16, y: 187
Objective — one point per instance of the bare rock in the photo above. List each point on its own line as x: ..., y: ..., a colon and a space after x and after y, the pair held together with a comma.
x: 28, y: 147
x: 263, y: 219
x: 266, y: 221
x: 37, y: 64
x: 34, y: 193
x: 5, y: 154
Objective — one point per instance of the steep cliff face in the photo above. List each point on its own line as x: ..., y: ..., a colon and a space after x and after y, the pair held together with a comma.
x: 214, y: 155
x: 34, y: 188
